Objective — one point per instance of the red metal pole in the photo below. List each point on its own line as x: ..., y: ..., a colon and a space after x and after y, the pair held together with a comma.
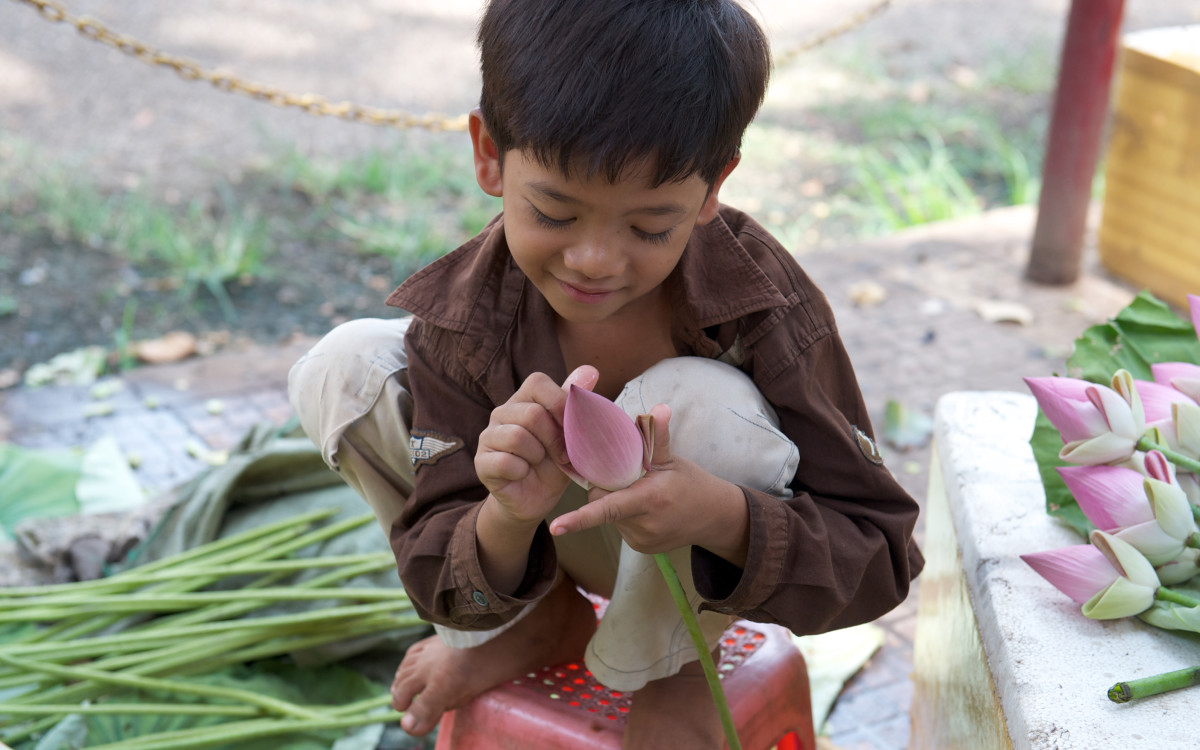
x: 1073, y: 147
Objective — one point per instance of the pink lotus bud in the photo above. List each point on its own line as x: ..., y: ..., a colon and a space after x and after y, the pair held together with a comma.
x: 1079, y: 571
x: 1182, y: 376
x: 1194, y: 304
x: 1158, y: 400
x: 1112, y: 497
x: 1098, y: 425
x: 1150, y: 514
x: 604, y: 445
x: 1108, y: 577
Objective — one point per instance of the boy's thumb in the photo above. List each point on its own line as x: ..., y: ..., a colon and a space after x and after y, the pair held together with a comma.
x: 584, y: 376
x: 659, y: 438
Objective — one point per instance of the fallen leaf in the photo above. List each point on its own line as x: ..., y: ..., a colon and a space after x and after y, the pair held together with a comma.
x: 79, y: 367
x: 200, y: 453
x: 998, y: 311
x: 173, y: 347
x: 904, y: 427
x: 98, y: 409
x: 867, y: 293
x: 106, y: 389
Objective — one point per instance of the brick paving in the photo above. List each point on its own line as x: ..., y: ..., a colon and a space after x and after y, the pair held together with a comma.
x: 922, y: 337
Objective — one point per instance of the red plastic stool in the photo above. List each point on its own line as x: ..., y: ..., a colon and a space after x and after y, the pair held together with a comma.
x: 564, y: 708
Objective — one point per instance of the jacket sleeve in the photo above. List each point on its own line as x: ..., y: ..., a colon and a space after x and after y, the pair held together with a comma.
x: 434, y: 538
x: 840, y: 551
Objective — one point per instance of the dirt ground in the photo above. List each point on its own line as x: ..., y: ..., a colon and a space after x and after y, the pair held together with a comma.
x: 131, y: 121
x: 125, y: 123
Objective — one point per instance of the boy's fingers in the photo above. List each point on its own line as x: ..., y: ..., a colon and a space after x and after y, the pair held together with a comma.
x: 608, y: 509
x: 584, y: 376
x: 662, y: 435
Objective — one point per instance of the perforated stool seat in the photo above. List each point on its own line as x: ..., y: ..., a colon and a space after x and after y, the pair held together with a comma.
x: 564, y: 708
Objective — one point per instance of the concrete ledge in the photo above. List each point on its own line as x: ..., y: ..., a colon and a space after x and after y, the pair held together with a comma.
x: 1050, y: 666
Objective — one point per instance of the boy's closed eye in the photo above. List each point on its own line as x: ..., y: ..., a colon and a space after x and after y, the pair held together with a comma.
x: 548, y: 222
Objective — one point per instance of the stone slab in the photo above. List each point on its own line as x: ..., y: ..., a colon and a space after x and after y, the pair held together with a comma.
x: 1051, y: 666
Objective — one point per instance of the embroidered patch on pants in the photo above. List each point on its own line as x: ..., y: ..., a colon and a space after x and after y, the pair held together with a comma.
x: 427, y: 448
x: 868, y: 447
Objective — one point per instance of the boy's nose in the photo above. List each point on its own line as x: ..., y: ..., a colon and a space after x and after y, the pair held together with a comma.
x: 595, y: 258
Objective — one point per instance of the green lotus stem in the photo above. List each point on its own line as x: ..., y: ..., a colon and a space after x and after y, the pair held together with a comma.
x: 1185, y: 462
x: 362, y: 706
x: 180, y: 709
x: 710, y: 669
x: 236, y: 540
x: 220, y: 611
x: 227, y: 734
x: 1123, y: 692
x: 141, y: 639
x: 273, y: 705
x: 201, y: 639
x: 192, y: 660
x: 1169, y: 595
x: 134, y: 579
x: 150, y: 602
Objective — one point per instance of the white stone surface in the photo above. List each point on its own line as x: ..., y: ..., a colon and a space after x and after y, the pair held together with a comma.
x: 1052, y: 666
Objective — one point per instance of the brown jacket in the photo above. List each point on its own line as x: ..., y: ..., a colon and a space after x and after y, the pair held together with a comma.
x: 840, y: 552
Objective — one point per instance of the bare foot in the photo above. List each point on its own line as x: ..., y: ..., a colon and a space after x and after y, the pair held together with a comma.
x: 434, y: 678
x: 676, y: 711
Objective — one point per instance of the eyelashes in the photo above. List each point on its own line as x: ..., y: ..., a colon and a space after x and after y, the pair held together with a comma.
x: 546, y: 222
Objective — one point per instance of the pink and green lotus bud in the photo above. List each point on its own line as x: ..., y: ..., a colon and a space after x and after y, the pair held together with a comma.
x: 1194, y: 304
x: 1128, y: 562
x: 1182, y: 376
x: 1113, y: 498
x: 604, y: 446
x: 1098, y: 425
x: 1156, y: 466
x: 1190, y: 485
x: 1184, y: 567
x: 1159, y: 403
x: 1172, y: 510
x: 1133, y: 591
x: 1080, y: 571
x: 1152, y: 540
x: 1186, y: 419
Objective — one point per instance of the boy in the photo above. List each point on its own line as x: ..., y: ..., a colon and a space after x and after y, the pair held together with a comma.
x: 608, y: 127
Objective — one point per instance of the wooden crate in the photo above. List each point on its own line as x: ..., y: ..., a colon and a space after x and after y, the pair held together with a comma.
x: 1150, y: 225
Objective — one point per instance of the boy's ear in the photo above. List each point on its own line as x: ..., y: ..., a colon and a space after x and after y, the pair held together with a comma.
x: 712, y: 202
x: 487, y: 156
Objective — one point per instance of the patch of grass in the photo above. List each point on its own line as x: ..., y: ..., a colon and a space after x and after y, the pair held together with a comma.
x: 411, y: 203
x: 868, y: 146
x: 909, y: 185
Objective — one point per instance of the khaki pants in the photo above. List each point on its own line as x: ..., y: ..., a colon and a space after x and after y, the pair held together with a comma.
x: 351, y: 395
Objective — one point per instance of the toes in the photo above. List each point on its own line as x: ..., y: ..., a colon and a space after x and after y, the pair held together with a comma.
x: 404, y: 688
x: 420, y: 719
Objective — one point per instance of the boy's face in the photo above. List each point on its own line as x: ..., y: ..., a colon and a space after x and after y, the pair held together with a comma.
x: 598, y: 251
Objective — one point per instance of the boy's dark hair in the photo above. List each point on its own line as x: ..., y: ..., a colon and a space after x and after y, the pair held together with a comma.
x: 593, y: 86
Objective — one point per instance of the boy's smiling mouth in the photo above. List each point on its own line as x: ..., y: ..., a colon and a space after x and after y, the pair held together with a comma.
x: 584, y: 294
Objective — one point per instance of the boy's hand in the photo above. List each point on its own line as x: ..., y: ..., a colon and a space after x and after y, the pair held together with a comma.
x: 522, y: 449
x: 676, y: 504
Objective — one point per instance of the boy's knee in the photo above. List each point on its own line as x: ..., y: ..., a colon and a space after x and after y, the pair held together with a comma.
x: 340, y: 378
x: 719, y: 420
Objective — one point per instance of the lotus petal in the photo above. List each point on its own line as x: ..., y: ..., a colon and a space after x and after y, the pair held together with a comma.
x: 1079, y: 571
x: 1111, y: 497
x: 604, y: 445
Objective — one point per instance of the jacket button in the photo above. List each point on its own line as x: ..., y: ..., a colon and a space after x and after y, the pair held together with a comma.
x: 480, y: 598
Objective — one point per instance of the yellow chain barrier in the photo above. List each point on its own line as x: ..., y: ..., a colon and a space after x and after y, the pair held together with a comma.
x: 851, y: 22
x: 311, y: 103
x: 315, y: 104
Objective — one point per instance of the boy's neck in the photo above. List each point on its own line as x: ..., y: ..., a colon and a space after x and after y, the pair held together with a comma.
x: 621, y: 349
